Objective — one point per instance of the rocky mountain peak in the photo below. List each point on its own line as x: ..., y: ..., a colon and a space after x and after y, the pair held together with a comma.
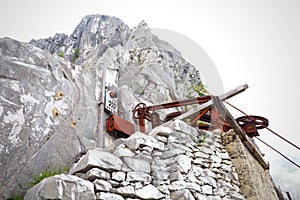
x: 93, y: 31
x: 96, y: 29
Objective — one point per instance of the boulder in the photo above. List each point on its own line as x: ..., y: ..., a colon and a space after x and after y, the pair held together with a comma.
x: 62, y: 187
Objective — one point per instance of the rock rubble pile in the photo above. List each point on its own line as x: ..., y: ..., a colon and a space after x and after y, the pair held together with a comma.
x: 175, y: 161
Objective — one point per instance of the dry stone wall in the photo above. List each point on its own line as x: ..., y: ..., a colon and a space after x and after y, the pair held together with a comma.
x: 174, y: 161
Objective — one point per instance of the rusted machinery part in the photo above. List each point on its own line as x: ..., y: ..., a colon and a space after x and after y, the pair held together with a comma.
x: 258, y: 121
x: 119, y: 127
x: 140, y: 111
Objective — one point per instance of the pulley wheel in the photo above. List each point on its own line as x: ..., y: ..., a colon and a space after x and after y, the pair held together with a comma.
x: 258, y: 121
x: 139, y: 111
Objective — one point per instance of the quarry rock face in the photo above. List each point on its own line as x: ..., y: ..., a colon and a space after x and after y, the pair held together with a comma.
x: 50, y: 94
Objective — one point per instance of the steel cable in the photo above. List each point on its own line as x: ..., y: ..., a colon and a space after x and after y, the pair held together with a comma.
x: 278, y: 152
x: 272, y: 132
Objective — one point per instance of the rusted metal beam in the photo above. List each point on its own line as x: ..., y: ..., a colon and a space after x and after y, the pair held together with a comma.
x: 233, y: 92
x: 141, y: 111
x: 216, y: 118
x: 202, y: 113
x: 240, y: 132
x: 208, y: 104
x: 198, y: 100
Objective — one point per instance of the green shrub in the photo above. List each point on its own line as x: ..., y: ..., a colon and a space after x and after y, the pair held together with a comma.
x: 202, y: 140
x: 61, y: 54
x: 200, y: 89
x: 76, y: 52
x: 18, y: 197
x: 46, y: 174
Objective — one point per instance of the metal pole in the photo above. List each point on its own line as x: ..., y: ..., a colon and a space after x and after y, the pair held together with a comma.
x: 100, y: 138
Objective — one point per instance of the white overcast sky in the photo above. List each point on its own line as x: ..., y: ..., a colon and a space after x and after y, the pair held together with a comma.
x: 255, y: 42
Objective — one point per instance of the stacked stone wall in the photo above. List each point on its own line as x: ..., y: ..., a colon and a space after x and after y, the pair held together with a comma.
x: 174, y: 162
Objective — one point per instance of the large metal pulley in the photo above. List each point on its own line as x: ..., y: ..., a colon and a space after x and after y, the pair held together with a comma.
x: 250, y: 124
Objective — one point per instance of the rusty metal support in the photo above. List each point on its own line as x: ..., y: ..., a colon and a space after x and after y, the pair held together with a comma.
x: 216, y: 119
x: 268, y: 128
x: 209, y: 103
x: 202, y: 113
x: 240, y: 132
x: 142, y: 124
x: 198, y: 100
x: 142, y: 112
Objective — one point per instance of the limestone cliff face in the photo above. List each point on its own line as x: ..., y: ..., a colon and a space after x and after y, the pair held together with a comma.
x: 50, y: 91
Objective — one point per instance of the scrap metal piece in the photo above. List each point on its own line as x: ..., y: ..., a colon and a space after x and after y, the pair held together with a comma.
x: 111, y: 101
